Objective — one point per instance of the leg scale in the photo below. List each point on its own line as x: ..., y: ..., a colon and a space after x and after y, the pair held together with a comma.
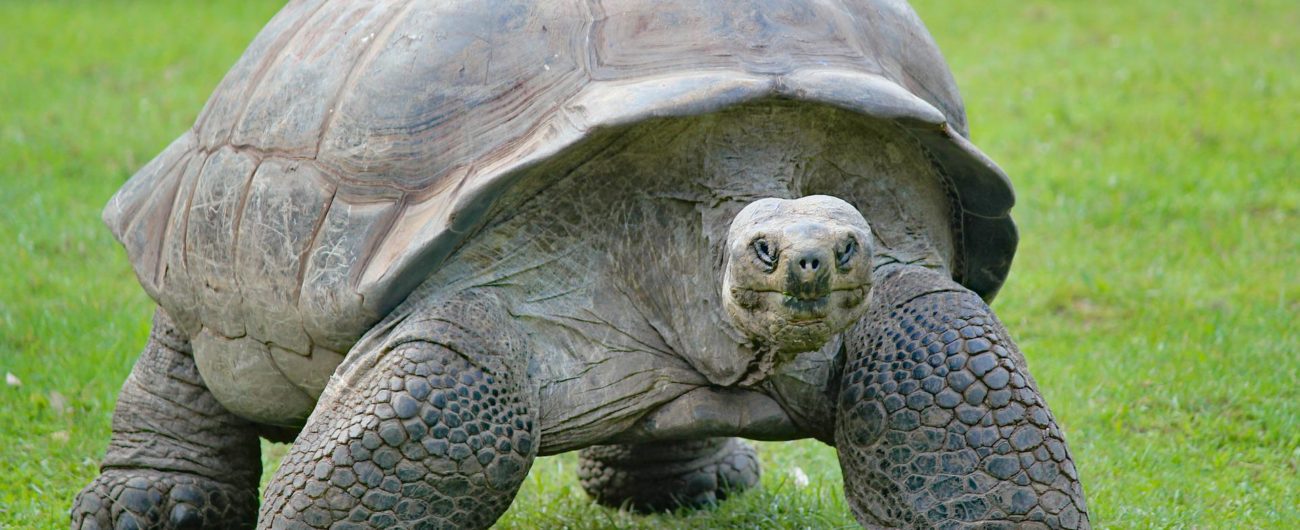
x: 939, y: 423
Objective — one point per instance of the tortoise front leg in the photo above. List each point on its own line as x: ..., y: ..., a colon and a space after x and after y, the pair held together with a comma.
x: 438, y: 433
x: 939, y: 423
x: 177, y: 458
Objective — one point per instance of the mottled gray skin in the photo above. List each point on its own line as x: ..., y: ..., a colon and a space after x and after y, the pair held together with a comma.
x: 641, y: 230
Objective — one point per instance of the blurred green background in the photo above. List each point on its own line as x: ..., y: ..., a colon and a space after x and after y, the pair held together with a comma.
x: 1153, y: 146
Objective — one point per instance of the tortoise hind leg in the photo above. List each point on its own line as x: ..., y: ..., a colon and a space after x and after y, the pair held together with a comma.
x: 437, y: 433
x: 665, y: 475
x: 939, y: 423
x: 177, y: 458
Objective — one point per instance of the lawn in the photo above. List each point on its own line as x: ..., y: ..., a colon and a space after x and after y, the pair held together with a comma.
x: 1154, y: 146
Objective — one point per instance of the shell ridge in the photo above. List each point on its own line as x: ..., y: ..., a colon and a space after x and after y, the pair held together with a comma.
x: 372, y: 247
x: 259, y: 152
x: 593, y: 24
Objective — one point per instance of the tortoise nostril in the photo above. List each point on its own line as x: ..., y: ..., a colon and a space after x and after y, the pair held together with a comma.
x: 806, y: 278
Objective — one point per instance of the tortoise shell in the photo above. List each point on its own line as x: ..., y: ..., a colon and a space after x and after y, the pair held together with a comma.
x: 356, y: 144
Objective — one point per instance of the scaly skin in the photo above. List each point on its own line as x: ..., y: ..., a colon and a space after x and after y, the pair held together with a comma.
x: 667, y: 475
x: 177, y: 458
x: 939, y: 423
x: 438, y: 434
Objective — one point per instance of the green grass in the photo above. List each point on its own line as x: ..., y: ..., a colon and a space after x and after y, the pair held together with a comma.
x: 1154, y: 149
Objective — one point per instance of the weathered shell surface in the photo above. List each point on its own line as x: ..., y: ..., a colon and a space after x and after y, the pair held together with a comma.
x: 355, y: 143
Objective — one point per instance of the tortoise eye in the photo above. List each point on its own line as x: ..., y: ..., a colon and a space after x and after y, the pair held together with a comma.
x: 844, y: 254
x: 765, y: 253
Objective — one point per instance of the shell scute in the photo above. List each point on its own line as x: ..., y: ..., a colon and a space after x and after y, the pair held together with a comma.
x: 329, y: 303
x: 288, y: 108
x: 310, y: 373
x: 453, y: 82
x: 210, y: 239
x: 226, y: 106
x: 287, y: 199
x: 243, y: 376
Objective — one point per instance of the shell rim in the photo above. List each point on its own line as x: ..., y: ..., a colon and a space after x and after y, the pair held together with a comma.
x: 985, y: 234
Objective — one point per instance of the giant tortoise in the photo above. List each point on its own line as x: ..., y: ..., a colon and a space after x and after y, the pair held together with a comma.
x: 430, y: 240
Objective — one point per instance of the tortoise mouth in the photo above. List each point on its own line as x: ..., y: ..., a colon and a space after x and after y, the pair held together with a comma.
x: 804, y: 311
x: 794, y: 324
x: 800, y: 309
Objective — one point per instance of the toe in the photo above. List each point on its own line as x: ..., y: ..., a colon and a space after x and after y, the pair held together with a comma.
x: 125, y: 499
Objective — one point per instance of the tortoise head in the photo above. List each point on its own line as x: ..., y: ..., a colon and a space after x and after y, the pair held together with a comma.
x: 797, y: 272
